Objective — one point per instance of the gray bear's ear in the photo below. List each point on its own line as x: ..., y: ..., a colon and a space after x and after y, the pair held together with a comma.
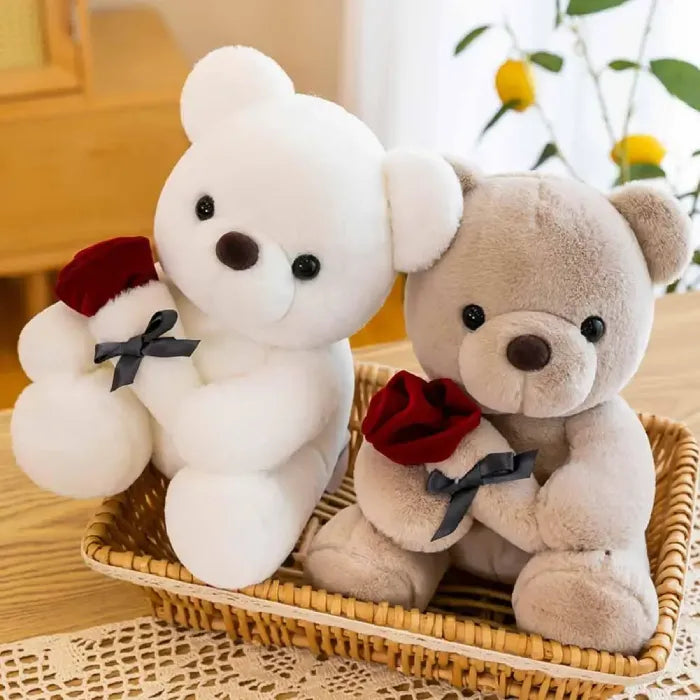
x: 661, y: 227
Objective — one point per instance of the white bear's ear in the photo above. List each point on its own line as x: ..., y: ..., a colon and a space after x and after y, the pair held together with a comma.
x: 661, y: 227
x: 425, y: 206
x: 225, y: 81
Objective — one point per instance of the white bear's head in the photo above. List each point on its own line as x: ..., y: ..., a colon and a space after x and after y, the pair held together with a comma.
x: 286, y: 220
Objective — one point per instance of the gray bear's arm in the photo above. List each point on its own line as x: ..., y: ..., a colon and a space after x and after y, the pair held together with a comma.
x: 507, y: 508
x: 394, y: 499
x: 603, y: 496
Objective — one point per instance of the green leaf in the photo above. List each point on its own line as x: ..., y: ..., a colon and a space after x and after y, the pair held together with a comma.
x: 696, y: 257
x: 547, y: 60
x: 505, y: 107
x: 549, y: 151
x: 557, y: 15
x: 587, y: 7
x: 468, y: 38
x: 680, y: 78
x: 623, y: 64
x: 695, y: 153
x: 642, y: 171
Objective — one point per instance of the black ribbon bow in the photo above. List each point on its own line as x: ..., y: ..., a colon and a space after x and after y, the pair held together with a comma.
x: 492, y: 469
x: 148, y: 344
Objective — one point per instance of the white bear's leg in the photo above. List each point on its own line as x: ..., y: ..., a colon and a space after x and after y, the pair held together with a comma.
x: 235, y: 530
x: 165, y: 456
x: 603, y: 600
x: 75, y: 438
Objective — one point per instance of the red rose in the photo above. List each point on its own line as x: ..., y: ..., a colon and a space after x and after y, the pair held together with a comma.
x: 101, y: 272
x: 412, y: 421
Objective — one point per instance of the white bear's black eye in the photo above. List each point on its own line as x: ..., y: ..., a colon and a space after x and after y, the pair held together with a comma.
x: 306, y: 267
x: 473, y: 316
x: 593, y: 329
x: 204, y: 208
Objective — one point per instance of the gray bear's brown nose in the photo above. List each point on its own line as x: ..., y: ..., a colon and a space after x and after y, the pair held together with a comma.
x: 237, y: 251
x: 528, y: 352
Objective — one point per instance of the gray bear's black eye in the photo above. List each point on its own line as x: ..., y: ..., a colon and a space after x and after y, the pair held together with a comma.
x: 473, y: 316
x: 593, y: 329
x: 204, y: 208
x: 306, y: 267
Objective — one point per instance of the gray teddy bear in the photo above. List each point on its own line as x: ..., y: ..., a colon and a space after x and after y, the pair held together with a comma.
x: 541, y: 310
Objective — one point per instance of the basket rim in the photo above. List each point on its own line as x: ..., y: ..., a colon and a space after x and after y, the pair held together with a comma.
x: 445, y: 632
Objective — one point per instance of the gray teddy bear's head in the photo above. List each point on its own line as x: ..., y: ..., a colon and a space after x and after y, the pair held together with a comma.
x: 543, y: 303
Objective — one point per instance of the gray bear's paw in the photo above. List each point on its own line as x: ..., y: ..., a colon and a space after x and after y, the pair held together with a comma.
x: 599, y: 600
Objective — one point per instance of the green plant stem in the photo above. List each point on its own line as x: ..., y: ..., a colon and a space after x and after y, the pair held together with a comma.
x: 546, y: 121
x: 553, y: 139
x: 625, y: 165
x: 595, y: 77
x: 694, y: 202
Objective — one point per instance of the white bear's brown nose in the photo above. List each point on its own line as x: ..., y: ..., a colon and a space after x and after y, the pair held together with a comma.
x: 528, y: 352
x: 237, y: 251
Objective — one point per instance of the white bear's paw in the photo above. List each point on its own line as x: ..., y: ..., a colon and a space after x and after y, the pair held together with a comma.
x: 232, y: 531
x: 75, y: 438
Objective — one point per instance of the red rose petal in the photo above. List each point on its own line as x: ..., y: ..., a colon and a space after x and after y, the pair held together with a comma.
x: 412, y: 421
x: 103, y: 271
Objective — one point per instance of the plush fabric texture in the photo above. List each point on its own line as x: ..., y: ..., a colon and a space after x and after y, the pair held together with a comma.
x: 350, y: 555
x: 539, y: 255
x: 57, y: 341
x: 254, y: 425
x: 411, y: 421
x: 255, y: 517
x: 661, y: 227
x: 101, y: 272
x: 227, y: 81
x: 426, y: 205
x: 486, y: 554
x: 596, y: 599
x: 73, y: 437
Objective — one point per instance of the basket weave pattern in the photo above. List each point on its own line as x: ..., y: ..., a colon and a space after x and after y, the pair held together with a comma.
x: 467, y: 636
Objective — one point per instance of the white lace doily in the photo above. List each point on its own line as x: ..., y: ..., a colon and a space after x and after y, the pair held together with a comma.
x: 151, y: 660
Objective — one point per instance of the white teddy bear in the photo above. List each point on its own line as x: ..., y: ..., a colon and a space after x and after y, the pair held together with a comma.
x: 279, y: 233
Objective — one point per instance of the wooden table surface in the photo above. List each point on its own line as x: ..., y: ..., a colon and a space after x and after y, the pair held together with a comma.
x: 45, y: 587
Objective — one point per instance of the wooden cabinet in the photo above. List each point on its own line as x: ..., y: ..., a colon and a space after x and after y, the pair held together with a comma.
x: 77, y: 166
x: 44, y: 47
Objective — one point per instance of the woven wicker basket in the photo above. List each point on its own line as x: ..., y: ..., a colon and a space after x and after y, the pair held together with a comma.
x: 466, y: 637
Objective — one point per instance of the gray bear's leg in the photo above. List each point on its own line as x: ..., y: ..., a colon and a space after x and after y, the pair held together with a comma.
x: 485, y: 553
x: 604, y: 600
x: 349, y: 556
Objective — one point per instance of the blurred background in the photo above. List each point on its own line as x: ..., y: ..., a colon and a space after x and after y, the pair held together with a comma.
x: 603, y: 90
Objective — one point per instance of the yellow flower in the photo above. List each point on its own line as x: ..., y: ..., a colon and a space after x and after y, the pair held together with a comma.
x: 640, y: 148
x: 514, y: 81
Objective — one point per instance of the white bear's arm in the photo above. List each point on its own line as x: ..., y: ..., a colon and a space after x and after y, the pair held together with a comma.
x: 161, y: 383
x: 507, y: 508
x: 603, y: 496
x: 258, y: 420
x: 69, y: 433
x: 56, y: 341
